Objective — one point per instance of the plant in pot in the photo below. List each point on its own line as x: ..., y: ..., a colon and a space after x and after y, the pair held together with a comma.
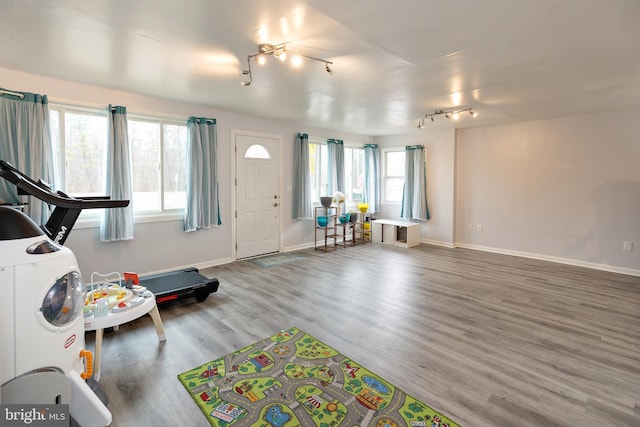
x: 325, y: 201
x: 363, y: 207
x: 353, y: 216
x: 322, y: 221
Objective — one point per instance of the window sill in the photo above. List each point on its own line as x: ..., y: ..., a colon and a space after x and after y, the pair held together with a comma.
x: 141, y: 218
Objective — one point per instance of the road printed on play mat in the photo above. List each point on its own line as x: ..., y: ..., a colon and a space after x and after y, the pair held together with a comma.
x: 293, y: 379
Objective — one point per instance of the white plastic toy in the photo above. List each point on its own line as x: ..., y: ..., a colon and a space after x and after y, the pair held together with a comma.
x: 43, y: 358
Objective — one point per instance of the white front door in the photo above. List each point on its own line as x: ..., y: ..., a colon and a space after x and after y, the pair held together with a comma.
x: 258, y: 202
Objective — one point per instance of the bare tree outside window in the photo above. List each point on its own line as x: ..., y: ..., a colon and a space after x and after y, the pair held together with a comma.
x: 85, y: 141
x: 175, y: 166
x: 158, y: 152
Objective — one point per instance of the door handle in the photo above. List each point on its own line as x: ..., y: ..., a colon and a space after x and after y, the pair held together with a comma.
x: 275, y: 205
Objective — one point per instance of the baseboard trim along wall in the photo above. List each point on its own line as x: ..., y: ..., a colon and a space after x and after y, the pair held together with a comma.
x: 198, y: 265
x: 577, y: 263
x: 594, y: 266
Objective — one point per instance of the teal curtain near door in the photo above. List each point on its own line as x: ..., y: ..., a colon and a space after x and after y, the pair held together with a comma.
x: 117, y: 223
x: 301, y: 178
x: 203, y: 207
x: 414, y: 195
x: 25, y: 142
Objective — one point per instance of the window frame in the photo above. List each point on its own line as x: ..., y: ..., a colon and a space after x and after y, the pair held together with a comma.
x: 162, y: 213
x: 351, y: 202
x: 60, y: 147
x: 315, y: 202
x: 384, y: 177
x: 91, y: 218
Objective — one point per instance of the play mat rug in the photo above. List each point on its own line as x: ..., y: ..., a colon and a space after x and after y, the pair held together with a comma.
x: 292, y: 379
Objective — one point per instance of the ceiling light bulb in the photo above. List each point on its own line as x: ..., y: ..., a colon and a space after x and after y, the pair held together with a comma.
x: 473, y: 113
x: 328, y: 69
x: 455, y: 116
x: 261, y: 60
x: 447, y: 115
x: 283, y: 56
x: 296, y: 61
x: 245, y: 83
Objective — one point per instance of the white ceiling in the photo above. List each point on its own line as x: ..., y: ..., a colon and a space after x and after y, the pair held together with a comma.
x: 394, y: 61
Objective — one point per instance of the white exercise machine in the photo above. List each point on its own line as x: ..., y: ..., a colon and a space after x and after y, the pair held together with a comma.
x: 43, y: 359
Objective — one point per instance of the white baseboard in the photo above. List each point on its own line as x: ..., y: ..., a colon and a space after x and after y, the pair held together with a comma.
x: 577, y: 263
x: 199, y: 266
x: 438, y: 243
x: 300, y: 247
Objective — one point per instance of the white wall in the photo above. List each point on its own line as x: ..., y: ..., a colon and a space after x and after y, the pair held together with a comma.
x: 440, y: 151
x: 566, y: 189
x: 163, y: 246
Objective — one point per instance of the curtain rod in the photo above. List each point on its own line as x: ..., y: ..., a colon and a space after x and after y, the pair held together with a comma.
x: 19, y: 95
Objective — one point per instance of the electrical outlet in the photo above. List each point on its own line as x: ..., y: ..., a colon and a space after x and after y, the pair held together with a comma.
x: 627, y: 245
x: 479, y: 228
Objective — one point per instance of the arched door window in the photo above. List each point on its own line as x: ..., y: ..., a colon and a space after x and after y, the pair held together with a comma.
x: 257, y: 151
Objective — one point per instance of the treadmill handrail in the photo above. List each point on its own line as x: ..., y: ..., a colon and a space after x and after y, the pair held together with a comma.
x: 28, y: 185
x: 67, y: 208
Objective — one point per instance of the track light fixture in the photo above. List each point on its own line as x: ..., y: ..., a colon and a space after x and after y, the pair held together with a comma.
x: 449, y: 114
x: 279, y: 51
x: 328, y: 69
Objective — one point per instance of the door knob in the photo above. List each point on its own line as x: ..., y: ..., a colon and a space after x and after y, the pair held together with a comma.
x: 275, y: 204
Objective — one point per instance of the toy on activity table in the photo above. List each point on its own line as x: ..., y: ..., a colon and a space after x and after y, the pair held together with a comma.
x: 107, y: 294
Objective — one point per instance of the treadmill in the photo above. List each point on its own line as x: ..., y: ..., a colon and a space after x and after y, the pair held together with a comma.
x: 170, y: 286
x: 178, y: 285
x: 67, y: 208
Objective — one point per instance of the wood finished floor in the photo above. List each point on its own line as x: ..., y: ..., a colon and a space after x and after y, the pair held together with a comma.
x: 486, y: 339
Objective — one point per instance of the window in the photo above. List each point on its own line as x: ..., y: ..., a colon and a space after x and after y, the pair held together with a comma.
x: 159, y: 164
x: 354, y: 172
x: 257, y: 151
x: 318, y: 170
x: 80, y: 140
x: 394, y: 160
x: 174, y: 149
x: 158, y: 150
x: 144, y: 149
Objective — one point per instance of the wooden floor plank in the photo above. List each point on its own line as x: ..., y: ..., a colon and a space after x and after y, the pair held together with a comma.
x: 486, y: 339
